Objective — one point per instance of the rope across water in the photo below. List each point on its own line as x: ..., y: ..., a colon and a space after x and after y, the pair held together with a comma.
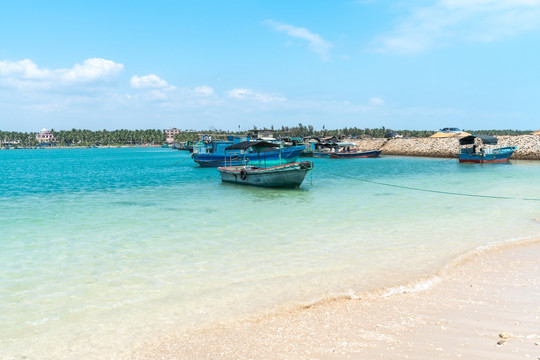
x: 435, y: 191
x: 179, y: 161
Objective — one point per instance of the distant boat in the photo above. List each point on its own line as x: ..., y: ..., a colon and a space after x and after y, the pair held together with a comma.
x: 290, y: 175
x: 485, y: 154
x: 351, y: 154
x: 341, y: 150
x: 242, y: 153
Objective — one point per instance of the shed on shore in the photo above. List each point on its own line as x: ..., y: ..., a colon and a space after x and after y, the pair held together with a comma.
x: 537, y: 132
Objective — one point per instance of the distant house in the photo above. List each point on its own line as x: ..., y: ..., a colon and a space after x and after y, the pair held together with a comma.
x: 9, y: 143
x: 537, y: 132
x: 170, y: 134
x: 45, y: 137
x: 262, y: 134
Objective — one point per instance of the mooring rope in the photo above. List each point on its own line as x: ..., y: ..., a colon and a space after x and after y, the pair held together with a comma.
x: 435, y: 191
x: 178, y: 162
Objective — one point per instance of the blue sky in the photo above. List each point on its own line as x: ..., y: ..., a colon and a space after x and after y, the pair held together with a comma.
x: 472, y: 64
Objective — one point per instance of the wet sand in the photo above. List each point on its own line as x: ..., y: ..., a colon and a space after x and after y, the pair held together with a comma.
x: 484, y: 306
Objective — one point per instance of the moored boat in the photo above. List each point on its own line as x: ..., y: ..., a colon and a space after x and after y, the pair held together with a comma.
x: 484, y: 154
x: 341, y: 150
x: 266, y: 173
x: 350, y: 154
x: 242, y: 153
x: 284, y: 176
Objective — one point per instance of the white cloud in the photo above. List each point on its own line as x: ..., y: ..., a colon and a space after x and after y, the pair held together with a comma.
x: 150, y: 81
x: 315, y: 42
x: 203, y: 91
x: 25, y: 74
x: 92, y: 70
x: 25, y: 69
x: 248, y: 94
x: 446, y: 21
x: 376, y: 101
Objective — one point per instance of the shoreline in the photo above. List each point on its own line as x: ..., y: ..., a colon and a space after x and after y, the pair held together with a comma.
x: 459, y: 312
x: 528, y: 146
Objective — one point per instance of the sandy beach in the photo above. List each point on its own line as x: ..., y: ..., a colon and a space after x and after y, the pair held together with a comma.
x: 485, y: 305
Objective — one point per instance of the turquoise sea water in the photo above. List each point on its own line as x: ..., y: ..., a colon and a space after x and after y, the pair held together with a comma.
x: 101, y: 249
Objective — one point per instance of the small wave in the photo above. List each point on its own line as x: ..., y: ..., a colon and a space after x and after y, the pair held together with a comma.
x: 416, y: 286
x: 485, y: 250
x: 412, y: 288
x: 42, y: 321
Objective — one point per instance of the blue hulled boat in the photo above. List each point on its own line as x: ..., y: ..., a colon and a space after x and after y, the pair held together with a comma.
x: 484, y: 154
x: 242, y: 153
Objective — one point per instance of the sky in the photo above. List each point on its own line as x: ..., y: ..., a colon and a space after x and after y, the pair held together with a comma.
x: 233, y: 65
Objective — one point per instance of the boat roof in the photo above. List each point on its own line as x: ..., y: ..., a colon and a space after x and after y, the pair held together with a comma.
x: 346, y: 143
x: 244, y: 145
x: 486, y: 139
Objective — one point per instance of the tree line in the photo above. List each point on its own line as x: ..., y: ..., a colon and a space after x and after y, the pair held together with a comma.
x: 78, y: 137
x: 303, y: 131
x: 83, y: 137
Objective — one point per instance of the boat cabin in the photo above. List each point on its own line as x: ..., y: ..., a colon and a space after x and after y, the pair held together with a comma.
x: 478, y: 143
x: 333, y: 145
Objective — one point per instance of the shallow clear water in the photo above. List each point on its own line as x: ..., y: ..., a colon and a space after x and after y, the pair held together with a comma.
x: 100, y: 248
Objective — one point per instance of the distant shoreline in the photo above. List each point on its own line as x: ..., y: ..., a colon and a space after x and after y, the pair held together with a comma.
x: 528, y: 146
x: 84, y: 147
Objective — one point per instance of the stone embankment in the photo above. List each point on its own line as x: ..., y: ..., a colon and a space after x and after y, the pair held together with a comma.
x: 528, y: 146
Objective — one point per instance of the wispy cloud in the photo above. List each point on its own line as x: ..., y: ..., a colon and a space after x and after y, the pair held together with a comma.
x: 150, y: 81
x: 315, y: 42
x: 203, y: 91
x: 376, y: 101
x: 25, y: 74
x: 448, y: 21
x: 248, y: 94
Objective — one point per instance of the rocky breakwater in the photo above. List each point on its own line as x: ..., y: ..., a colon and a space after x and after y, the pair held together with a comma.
x: 528, y: 146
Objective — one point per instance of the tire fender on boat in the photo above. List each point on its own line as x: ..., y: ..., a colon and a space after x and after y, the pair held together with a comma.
x: 306, y: 165
x: 243, y: 174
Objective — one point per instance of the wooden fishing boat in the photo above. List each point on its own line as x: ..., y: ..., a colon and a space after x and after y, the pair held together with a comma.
x: 342, y: 150
x: 284, y: 176
x: 351, y: 154
x: 215, y: 155
x: 481, y: 152
x: 288, y: 175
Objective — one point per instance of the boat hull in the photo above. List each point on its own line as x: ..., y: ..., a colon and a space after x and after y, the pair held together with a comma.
x: 282, y: 176
x: 267, y: 158
x: 348, y: 154
x: 499, y: 155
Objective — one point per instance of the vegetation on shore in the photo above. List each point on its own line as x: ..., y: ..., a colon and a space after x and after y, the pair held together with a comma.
x: 305, y: 131
x: 78, y: 137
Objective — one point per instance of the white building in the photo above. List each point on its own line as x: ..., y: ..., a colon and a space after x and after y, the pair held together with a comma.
x: 45, y: 136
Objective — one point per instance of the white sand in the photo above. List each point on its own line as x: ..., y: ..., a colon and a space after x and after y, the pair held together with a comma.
x: 482, y: 297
